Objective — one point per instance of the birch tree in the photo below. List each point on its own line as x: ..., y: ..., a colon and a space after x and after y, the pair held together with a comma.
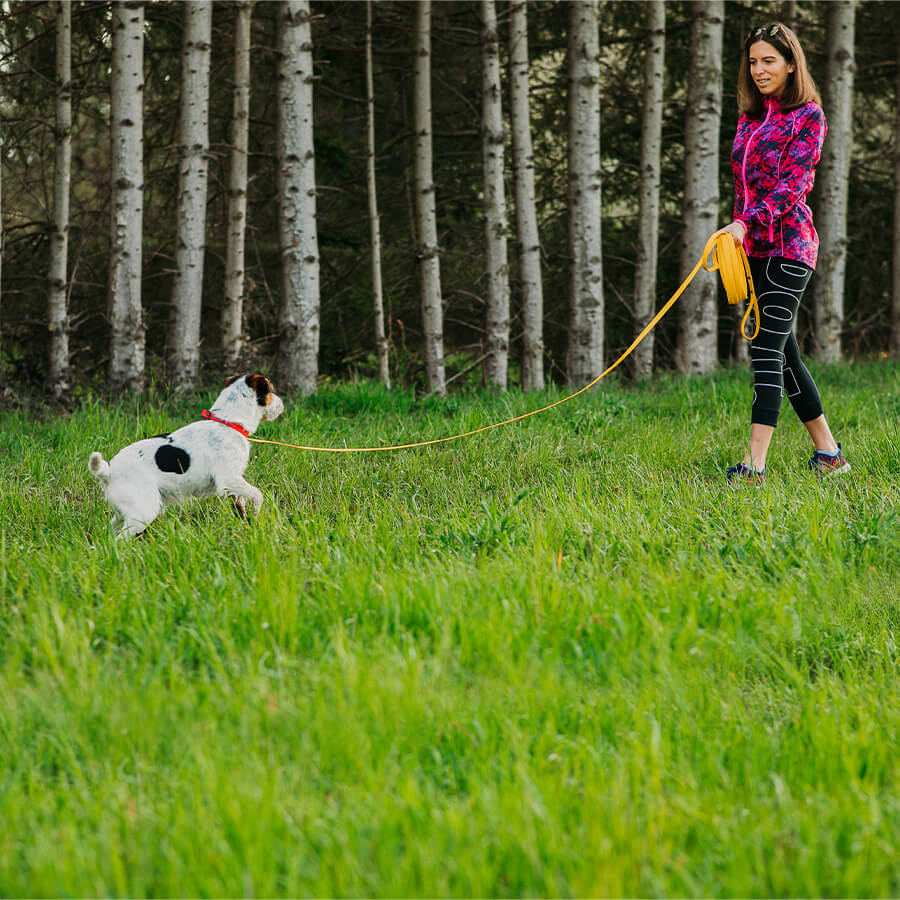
x: 832, y: 177
x: 526, y: 215
x: 57, y: 306
x: 895, y: 301
x: 298, y: 353
x: 426, y: 213
x: 381, y: 342
x: 126, y: 366
x: 233, y: 308
x: 649, y: 186
x: 496, y: 363
x: 190, y: 246
x: 585, y: 346
x: 696, y: 349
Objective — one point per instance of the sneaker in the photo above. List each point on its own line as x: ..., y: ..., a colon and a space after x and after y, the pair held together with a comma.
x: 824, y: 464
x: 741, y: 473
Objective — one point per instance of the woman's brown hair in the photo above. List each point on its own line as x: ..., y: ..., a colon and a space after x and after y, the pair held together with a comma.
x: 800, y: 88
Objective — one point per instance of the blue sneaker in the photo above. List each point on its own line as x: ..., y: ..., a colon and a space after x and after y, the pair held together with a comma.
x: 826, y: 464
x: 739, y: 474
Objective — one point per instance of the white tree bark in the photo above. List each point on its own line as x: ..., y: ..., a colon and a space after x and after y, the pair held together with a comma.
x: 895, y: 301
x: 298, y: 355
x: 381, y: 342
x: 585, y: 347
x: 426, y: 213
x: 696, y: 349
x: 190, y: 244
x: 126, y: 367
x: 832, y: 177
x: 526, y: 216
x: 649, y: 185
x: 233, y: 308
x: 57, y: 306
x: 496, y: 363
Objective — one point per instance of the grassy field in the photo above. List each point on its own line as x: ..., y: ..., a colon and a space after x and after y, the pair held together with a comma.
x: 558, y: 659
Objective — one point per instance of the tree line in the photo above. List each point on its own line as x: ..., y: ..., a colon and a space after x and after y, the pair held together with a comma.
x: 418, y: 192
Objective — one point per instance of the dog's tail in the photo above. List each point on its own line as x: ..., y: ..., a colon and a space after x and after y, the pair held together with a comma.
x: 99, y: 466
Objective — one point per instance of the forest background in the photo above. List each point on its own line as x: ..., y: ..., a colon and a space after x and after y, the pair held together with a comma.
x: 347, y: 339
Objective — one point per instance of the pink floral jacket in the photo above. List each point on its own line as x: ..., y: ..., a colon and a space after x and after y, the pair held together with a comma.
x: 774, y: 164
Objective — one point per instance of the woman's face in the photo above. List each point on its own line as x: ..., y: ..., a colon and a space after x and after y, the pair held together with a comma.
x: 768, y: 69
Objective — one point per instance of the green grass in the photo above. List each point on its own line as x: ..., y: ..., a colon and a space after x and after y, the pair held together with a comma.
x: 557, y: 659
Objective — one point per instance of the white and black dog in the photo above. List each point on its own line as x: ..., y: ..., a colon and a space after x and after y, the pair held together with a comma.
x: 203, y: 459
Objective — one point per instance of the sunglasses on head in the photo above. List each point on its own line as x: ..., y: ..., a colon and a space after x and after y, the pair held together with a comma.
x: 765, y: 31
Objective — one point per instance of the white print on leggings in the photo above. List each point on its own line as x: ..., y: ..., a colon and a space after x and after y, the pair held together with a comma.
x: 777, y: 314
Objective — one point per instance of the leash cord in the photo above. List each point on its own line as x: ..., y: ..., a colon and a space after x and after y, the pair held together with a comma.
x: 729, y: 260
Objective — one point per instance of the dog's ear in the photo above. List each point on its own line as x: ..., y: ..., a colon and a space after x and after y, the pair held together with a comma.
x: 263, y: 388
x: 231, y: 379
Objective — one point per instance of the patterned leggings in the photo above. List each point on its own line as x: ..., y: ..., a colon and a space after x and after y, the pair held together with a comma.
x: 774, y: 353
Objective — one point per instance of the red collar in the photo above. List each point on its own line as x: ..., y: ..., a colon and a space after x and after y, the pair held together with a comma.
x: 208, y: 415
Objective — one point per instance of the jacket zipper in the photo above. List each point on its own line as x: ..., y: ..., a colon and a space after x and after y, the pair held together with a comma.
x: 744, y: 163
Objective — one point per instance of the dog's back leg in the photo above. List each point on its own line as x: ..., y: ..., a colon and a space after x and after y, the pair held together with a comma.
x: 137, y: 508
x: 131, y: 528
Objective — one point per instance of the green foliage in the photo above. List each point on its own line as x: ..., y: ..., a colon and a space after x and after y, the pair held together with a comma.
x: 561, y: 658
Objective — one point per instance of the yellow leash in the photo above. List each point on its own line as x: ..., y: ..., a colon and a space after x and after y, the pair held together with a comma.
x: 734, y: 269
x: 729, y: 260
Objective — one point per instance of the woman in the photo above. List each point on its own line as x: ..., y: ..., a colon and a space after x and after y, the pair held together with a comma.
x: 776, y: 148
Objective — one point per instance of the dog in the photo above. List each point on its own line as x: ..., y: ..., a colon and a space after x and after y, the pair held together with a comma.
x: 203, y: 459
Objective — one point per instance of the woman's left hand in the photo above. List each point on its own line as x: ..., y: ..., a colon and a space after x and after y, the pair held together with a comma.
x: 736, y: 230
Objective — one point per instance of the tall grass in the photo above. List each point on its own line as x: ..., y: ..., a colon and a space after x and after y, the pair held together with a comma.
x: 560, y: 658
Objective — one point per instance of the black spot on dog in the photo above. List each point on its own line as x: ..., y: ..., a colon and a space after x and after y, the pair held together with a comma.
x: 172, y: 459
x: 230, y: 379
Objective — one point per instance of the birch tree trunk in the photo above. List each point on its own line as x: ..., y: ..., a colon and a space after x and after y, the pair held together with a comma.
x: 496, y: 363
x: 832, y: 176
x: 526, y: 216
x: 126, y: 366
x: 895, y: 300
x: 585, y: 347
x: 298, y: 354
x: 649, y: 187
x: 381, y: 342
x: 426, y: 213
x: 57, y: 306
x: 696, y: 349
x: 233, y: 309
x: 190, y: 246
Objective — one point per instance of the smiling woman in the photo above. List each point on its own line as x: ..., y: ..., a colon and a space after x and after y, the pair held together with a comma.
x: 768, y: 51
x: 768, y: 69
x: 776, y: 148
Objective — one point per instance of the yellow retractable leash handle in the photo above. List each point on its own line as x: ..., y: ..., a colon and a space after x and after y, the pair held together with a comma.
x: 730, y: 261
x: 733, y: 267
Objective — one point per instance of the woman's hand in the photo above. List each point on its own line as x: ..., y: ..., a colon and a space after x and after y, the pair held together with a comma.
x: 736, y: 230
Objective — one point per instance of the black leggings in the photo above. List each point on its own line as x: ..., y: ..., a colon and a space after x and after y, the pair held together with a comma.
x: 774, y: 353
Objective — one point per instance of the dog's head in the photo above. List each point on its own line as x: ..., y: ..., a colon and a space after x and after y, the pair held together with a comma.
x: 249, y: 400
